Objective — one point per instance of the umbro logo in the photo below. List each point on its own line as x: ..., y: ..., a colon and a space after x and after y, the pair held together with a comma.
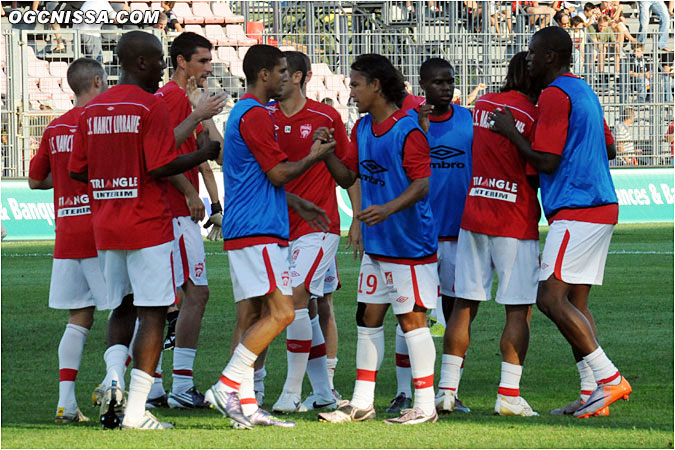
x: 443, y: 152
x: 372, y: 167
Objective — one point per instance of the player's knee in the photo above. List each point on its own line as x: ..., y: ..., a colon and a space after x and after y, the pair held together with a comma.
x: 284, y: 314
x: 360, y: 315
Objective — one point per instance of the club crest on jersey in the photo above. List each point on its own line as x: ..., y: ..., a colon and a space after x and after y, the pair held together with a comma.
x: 287, y: 129
x: 199, y: 269
x: 305, y: 130
x: 388, y: 279
x: 285, y: 279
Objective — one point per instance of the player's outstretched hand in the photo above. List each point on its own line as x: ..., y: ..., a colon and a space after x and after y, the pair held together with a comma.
x: 196, y: 207
x: 321, y: 150
x: 212, y: 149
x: 210, y: 105
x: 354, y: 239
x: 502, y: 121
x: 312, y: 214
x: 324, y: 134
x: 373, y: 215
x: 423, y: 117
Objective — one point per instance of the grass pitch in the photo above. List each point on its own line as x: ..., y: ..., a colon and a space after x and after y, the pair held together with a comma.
x: 633, y: 311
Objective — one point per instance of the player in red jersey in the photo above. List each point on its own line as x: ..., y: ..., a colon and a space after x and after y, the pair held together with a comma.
x: 191, y: 59
x: 77, y: 281
x: 124, y: 147
x: 498, y: 232
x: 312, y: 253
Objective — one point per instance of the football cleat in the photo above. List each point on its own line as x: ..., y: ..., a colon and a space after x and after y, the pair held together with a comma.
x: 112, y: 406
x: 157, y: 402
x: 147, y: 422
x: 265, y: 419
x: 229, y: 405
x: 317, y: 402
x: 603, y: 396
x: 289, y: 403
x: 513, y: 406
x: 399, y: 403
x: 346, y: 412
x: 459, y: 407
x: 189, y: 399
x: 64, y: 417
x: 569, y: 410
x: 97, y: 395
x: 445, y: 401
x: 413, y: 416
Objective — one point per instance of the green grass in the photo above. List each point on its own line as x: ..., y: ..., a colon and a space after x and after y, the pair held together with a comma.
x: 633, y: 310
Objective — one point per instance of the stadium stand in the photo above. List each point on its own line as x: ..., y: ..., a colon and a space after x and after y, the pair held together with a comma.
x: 332, y: 34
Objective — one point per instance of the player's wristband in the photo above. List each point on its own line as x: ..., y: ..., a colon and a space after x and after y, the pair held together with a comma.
x: 216, y: 208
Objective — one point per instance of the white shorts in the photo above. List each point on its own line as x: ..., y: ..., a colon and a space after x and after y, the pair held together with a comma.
x: 576, y: 252
x: 515, y: 260
x: 77, y: 283
x: 146, y: 272
x: 258, y: 270
x: 188, y: 255
x: 447, y: 259
x: 331, y: 282
x: 311, y: 256
x: 401, y: 285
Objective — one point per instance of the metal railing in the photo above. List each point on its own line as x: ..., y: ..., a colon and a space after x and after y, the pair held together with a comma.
x: 477, y: 38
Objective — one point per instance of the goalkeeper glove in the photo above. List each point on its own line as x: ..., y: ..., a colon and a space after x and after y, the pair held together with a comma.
x: 215, y: 222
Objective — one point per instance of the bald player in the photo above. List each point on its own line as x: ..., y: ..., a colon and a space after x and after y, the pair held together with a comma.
x: 124, y: 149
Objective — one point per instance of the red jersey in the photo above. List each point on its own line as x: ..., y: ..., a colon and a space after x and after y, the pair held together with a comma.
x: 295, y: 135
x: 123, y: 134
x: 412, y: 101
x: 74, y: 232
x: 501, y: 202
x: 180, y: 108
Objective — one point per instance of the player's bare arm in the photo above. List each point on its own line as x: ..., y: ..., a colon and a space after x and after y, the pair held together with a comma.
x: 375, y: 214
x: 354, y: 234
x: 611, y: 151
x: 504, y: 123
x: 186, y: 162
x: 80, y: 176
x: 423, y: 117
x: 194, y: 203
x: 312, y: 214
x: 286, y: 171
x: 205, y: 107
x: 41, y: 184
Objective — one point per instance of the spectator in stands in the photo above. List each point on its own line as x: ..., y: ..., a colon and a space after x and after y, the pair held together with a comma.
x: 457, y: 95
x: 578, y: 35
x: 659, y: 8
x: 173, y: 24
x: 90, y: 37
x: 327, y: 101
x: 566, y: 7
x: 670, y: 137
x: 604, y: 40
x: 500, y: 13
x: 640, y: 74
x: 666, y: 77
x: 162, y: 22
x: 540, y: 16
x: 562, y: 19
x: 626, y: 154
x: 589, y: 14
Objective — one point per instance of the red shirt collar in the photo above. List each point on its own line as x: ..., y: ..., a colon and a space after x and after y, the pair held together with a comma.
x: 249, y: 95
x: 388, y: 123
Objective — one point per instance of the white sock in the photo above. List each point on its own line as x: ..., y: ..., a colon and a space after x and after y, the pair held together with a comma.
x: 509, y: 384
x: 70, y: 355
x: 461, y: 372
x: 331, y: 365
x: 259, y: 380
x: 233, y: 374
x: 139, y: 388
x: 247, y: 394
x: 604, y: 371
x: 451, y: 372
x: 157, y: 389
x: 183, y: 361
x: 403, y: 372
x: 298, y: 345
x: 588, y: 383
x: 316, y: 365
x: 369, y: 354
x: 115, y: 360
x: 422, y: 359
